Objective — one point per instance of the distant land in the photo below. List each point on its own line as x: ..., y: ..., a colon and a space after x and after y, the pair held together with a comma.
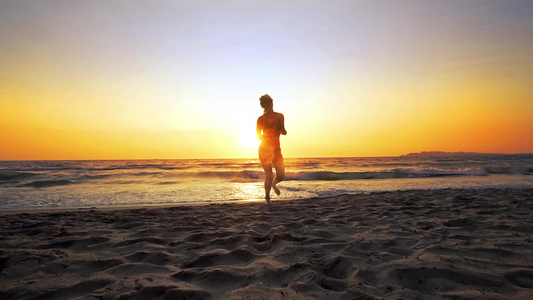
x: 443, y: 153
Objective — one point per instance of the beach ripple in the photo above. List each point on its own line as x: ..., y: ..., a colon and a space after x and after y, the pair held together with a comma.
x: 439, y: 244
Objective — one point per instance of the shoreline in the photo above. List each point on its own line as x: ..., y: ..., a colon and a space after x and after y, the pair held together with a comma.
x: 51, y: 210
x: 438, y: 244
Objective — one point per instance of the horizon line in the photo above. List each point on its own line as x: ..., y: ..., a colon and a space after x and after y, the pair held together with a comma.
x: 422, y: 153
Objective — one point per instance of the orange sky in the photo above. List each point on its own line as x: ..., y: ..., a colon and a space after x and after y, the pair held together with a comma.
x: 181, y: 79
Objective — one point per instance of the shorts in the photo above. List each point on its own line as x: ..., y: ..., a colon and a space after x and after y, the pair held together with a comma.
x: 270, y: 156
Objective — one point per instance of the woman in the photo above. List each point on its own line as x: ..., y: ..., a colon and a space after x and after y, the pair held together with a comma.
x: 269, y: 126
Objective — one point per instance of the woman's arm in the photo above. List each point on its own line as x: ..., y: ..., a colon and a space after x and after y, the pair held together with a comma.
x: 282, y: 123
x: 259, y: 128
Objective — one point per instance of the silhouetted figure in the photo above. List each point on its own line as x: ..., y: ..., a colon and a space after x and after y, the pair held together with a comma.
x: 269, y: 126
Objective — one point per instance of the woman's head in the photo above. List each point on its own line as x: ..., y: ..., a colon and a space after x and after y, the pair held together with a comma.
x: 266, y: 102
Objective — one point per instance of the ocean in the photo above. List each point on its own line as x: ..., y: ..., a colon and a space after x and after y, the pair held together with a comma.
x: 71, y: 184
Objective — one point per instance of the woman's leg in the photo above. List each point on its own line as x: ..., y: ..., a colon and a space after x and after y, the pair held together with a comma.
x: 280, y: 175
x: 268, y: 181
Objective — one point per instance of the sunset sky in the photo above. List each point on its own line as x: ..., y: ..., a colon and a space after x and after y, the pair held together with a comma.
x: 181, y: 79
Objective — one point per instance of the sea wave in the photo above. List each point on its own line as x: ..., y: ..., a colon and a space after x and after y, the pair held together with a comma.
x: 254, y: 175
x: 12, y: 176
x: 502, y: 164
x: 47, y: 183
x: 392, y: 174
x: 42, y: 174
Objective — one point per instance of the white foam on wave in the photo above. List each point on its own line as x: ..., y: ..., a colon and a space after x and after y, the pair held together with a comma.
x: 97, y: 183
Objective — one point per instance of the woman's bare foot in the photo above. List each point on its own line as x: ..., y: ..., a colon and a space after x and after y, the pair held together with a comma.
x: 276, y: 190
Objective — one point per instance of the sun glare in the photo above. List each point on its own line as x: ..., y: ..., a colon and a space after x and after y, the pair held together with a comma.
x: 248, y: 140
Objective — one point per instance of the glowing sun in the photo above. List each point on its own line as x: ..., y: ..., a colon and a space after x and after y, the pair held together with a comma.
x: 248, y: 139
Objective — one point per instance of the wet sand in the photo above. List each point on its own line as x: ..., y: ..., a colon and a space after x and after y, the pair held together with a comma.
x: 443, y: 244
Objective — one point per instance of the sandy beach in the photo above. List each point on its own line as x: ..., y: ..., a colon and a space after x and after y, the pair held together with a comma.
x: 443, y: 244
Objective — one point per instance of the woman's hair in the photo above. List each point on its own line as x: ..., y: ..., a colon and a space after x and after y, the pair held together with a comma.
x: 266, y: 101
